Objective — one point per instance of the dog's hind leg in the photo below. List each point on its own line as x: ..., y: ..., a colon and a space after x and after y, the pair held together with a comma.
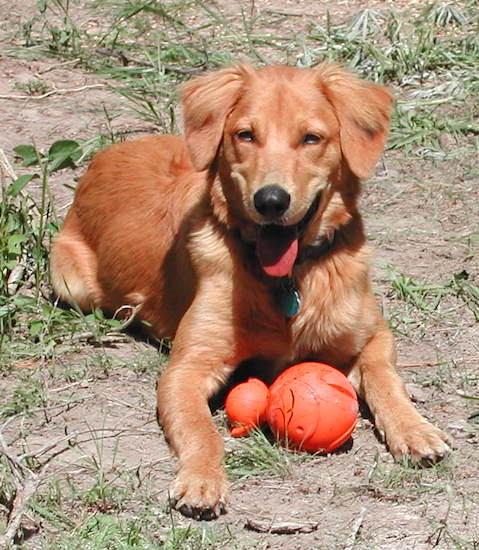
x: 73, y: 268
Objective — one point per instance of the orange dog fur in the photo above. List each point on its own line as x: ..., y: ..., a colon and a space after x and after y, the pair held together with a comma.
x: 199, y: 233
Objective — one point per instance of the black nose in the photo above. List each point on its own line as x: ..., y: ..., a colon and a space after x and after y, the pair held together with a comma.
x: 271, y: 201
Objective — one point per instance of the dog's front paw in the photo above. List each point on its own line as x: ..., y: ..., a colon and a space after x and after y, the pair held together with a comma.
x: 419, y: 439
x: 199, y: 493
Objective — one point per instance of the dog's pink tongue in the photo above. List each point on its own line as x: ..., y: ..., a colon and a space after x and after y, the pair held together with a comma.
x: 277, y: 248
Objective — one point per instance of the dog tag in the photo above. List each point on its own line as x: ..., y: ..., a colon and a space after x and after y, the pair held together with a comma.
x: 288, y: 298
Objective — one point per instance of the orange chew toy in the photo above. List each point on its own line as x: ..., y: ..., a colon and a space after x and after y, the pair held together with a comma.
x: 246, y: 406
x: 313, y: 407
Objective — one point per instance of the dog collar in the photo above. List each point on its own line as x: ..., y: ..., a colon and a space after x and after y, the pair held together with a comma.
x: 316, y: 251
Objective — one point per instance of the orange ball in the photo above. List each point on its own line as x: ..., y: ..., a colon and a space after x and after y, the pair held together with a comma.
x: 313, y: 407
x: 246, y: 406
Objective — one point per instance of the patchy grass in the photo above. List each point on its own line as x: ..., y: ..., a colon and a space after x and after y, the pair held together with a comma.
x: 416, y: 305
x: 404, y: 479
x: 257, y: 456
x: 146, y: 48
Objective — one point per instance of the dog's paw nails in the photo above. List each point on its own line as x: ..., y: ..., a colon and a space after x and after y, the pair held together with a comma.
x: 441, y: 451
x: 199, y: 495
x: 423, y: 443
x: 201, y: 513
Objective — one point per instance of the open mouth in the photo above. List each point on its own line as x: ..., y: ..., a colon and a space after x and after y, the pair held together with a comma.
x: 277, y: 245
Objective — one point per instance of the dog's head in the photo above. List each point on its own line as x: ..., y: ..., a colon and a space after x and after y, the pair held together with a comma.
x: 286, y: 143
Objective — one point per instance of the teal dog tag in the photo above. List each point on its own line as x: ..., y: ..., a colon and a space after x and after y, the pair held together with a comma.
x: 288, y: 298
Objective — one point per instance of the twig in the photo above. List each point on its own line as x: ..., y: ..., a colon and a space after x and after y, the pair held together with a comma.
x: 285, y: 12
x: 48, y: 447
x: 16, y: 466
x: 125, y: 404
x: 355, y: 530
x: 133, y: 312
x: 44, y: 410
x: 435, y: 363
x: 6, y: 166
x: 94, y: 434
x: 420, y: 364
x: 26, y: 484
x: 126, y: 59
x: 107, y: 339
x: 49, y: 408
x: 52, y: 92
x: 83, y: 383
x: 14, y: 279
x: 281, y: 527
x: 29, y: 488
x: 57, y: 65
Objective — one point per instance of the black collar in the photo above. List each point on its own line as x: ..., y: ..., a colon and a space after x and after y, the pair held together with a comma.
x: 317, y: 251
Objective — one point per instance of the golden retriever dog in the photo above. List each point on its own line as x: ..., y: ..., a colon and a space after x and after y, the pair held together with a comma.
x: 243, y: 240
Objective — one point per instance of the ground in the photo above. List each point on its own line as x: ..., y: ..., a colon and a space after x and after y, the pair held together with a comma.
x: 77, y: 418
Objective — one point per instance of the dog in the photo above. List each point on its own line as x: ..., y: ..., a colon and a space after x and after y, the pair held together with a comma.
x: 242, y: 241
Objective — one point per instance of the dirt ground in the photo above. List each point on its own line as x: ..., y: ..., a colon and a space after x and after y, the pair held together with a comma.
x: 421, y: 216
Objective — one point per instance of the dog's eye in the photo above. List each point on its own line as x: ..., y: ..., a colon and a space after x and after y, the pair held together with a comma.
x: 311, y: 139
x: 245, y: 135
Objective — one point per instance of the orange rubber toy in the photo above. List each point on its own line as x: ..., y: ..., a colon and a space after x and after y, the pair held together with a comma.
x: 246, y: 406
x: 310, y: 406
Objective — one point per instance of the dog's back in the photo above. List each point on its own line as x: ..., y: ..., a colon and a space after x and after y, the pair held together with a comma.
x: 123, y: 235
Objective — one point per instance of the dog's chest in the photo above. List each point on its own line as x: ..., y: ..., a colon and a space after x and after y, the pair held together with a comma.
x: 329, y: 319
x: 326, y: 326
x: 260, y: 329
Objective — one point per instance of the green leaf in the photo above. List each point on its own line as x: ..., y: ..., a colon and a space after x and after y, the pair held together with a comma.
x: 53, y: 227
x: 22, y: 301
x: 114, y: 323
x: 35, y: 328
x: 28, y: 154
x: 64, y: 147
x: 5, y: 310
x: 13, y: 243
x: 98, y: 314
x: 13, y: 240
x: 63, y: 153
x: 20, y: 183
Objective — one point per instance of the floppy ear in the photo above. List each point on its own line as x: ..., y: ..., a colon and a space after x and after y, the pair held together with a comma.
x: 207, y: 100
x: 363, y: 110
